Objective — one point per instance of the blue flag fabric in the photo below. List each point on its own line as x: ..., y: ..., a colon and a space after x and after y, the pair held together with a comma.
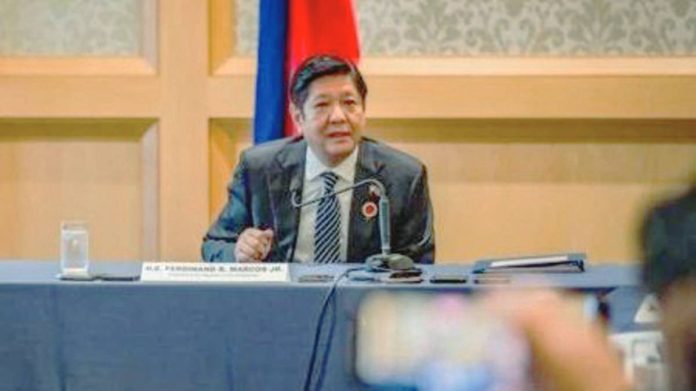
x: 271, y: 86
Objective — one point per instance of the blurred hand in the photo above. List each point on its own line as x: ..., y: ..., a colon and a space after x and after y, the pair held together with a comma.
x: 569, y: 352
x: 253, y: 245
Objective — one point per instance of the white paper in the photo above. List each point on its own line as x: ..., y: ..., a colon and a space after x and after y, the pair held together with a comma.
x: 214, y: 272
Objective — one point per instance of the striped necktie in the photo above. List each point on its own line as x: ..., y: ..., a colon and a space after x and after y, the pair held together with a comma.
x: 327, y: 227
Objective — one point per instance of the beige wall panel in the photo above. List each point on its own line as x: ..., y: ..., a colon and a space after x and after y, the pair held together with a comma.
x: 183, y: 130
x: 531, y: 97
x: 79, y: 96
x: 221, y: 31
x: 70, y: 66
x: 61, y: 170
x: 515, y: 87
x: 227, y: 140
x: 502, y: 219
x: 231, y: 96
x: 506, y: 187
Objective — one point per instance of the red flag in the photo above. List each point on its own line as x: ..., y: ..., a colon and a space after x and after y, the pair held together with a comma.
x: 319, y: 27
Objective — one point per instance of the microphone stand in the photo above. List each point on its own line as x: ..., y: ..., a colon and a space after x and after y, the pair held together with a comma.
x: 386, y: 260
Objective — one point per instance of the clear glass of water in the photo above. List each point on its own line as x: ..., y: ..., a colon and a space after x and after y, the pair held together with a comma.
x: 74, y: 248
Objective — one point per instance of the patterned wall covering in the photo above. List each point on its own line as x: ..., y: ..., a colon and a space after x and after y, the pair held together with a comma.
x: 511, y: 27
x: 70, y: 27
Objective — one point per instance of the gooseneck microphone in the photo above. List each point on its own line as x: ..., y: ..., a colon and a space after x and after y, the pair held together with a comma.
x: 386, y: 260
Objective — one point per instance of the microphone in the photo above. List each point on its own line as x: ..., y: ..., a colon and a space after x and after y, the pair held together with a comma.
x: 386, y: 260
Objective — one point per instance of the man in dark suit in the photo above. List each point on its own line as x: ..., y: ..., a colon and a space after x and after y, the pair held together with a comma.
x: 668, y: 240
x: 262, y: 222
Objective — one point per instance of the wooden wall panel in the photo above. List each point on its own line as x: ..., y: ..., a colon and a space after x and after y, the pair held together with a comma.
x: 53, y: 170
x: 506, y: 187
x: 227, y: 140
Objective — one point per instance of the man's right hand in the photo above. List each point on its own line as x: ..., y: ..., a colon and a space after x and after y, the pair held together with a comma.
x: 253, y: 245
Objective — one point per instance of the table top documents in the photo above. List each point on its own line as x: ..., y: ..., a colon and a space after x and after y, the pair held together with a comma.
x: 134, y: 335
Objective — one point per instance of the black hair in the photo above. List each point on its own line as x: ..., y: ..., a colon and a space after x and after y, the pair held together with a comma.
x: 319, y: 66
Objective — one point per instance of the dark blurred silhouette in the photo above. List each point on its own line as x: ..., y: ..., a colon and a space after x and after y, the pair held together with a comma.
x: 668, y: 240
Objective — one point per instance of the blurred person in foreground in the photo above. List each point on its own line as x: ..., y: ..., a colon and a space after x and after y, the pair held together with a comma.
x: 668, y: 240
x: 679, y: 327
x: 261, y: 221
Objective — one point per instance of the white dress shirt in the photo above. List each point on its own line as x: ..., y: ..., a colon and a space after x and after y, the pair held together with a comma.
x: 312, y: 188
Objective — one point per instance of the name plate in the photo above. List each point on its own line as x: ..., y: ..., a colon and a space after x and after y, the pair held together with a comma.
x: 214, y: 272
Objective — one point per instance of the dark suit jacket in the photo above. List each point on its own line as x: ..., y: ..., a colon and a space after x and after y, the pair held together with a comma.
x: 267, y: 175
x: 668, y: 239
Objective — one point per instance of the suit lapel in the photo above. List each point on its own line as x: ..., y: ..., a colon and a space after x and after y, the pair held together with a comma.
x: 285, y: 178
x: 363, y: 235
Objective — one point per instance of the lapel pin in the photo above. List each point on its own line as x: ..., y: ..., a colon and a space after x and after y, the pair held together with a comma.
x: 369, y: 210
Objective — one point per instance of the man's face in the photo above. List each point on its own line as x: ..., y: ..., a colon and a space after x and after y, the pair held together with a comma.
x: 332, y: 118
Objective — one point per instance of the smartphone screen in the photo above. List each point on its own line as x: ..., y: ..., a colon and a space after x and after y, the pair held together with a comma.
x: 438, y: 342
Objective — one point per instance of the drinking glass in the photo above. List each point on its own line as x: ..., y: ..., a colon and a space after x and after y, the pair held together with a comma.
x: 74, y: 248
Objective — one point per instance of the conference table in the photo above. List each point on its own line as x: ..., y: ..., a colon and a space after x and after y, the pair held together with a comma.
x: 135, y: 335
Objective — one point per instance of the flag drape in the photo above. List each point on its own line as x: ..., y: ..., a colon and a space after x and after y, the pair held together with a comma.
x: 290, y: 31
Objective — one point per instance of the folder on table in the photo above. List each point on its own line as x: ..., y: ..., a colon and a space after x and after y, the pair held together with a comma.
x: 547, y: 263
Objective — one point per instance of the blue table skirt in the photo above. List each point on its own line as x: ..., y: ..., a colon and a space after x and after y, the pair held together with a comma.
x: 59, y: 335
